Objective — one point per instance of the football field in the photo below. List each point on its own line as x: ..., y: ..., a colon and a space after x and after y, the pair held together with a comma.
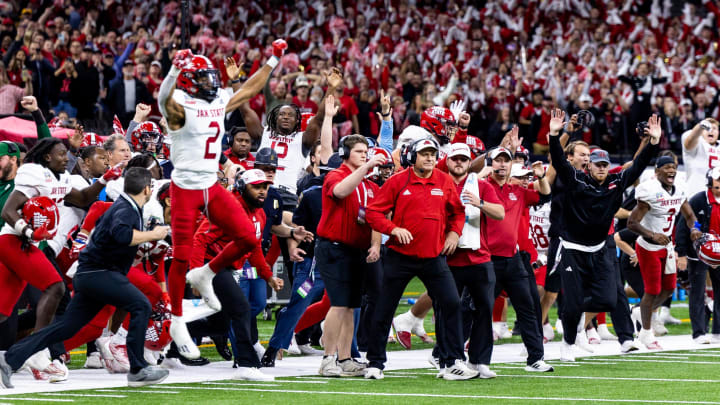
x: 684, y: 373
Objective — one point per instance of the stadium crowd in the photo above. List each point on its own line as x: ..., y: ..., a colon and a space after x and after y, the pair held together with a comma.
x: 365, y: 143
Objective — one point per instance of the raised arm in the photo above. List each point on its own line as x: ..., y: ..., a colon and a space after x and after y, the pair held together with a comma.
x: 632, y: 173
x: 326, y: 148
x: 257, y: 81
x: 312, y: 131
x: 173, y: 112
x: 558, y: 161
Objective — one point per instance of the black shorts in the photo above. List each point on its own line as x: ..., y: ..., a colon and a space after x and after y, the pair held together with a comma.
x: 289, y: 199
x: 632, y: 275
x: 552, y: 278
x: 342, y: 268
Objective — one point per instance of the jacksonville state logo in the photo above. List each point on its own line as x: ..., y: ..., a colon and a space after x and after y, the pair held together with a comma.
x: 39, y: 220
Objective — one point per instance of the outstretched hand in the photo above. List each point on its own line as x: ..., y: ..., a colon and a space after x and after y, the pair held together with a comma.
x: 557, y: 121
x: 654, y: 130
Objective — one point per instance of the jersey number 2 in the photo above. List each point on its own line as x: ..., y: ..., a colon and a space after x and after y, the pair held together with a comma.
x: 211, y: 140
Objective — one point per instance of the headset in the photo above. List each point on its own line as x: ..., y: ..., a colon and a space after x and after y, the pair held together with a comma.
x: 12, y: 147
x: 709, y: 176
x: 239, y: 182
x: 408, y: 156
x: 343, y: 150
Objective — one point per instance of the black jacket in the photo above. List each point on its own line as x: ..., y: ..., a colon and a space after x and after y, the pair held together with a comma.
x: 109, y: 246
x: 703, y: 210
x: 116, y: 99
x: 589, y: 207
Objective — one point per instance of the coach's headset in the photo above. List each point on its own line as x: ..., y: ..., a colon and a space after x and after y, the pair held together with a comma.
x: 709, y: 176
x: 344, y: 150
x: 408, y: 154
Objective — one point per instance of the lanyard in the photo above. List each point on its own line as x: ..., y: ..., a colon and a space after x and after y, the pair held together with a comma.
x: 362, y: 201
x: 137, y: 210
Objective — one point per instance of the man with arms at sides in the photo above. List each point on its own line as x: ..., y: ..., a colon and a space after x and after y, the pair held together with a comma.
x: 195, y: 109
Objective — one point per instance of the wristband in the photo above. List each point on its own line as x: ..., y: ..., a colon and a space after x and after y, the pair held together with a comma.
x: 174, y: 71
x: 235, y: 81
x: 102, y: 181
x: 697, y: 226
x: 273, y: 61
x: 385, y: 115
x: 20, y: 225
x: 542, y: 177
x: 463, y: 127
x: 482, y: 202
x: 292, y: 233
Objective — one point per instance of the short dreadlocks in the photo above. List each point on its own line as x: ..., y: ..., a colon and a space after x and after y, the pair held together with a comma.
x: 273, y: 116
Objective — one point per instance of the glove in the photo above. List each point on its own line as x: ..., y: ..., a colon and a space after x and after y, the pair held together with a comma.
x: 279, y: 47
x: 78, y: 245
x: 165, y: 298
x: 41, y: 234
x: 113, y: 174
x: 183, y: 59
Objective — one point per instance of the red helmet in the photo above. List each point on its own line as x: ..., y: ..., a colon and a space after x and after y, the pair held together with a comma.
x: 201, y: 79
x: 157, y: 334
x: 521, y: 151
x: 91, y: 139
x: 305, y: 120
x: 439, y: 120
x: 39, y: 211
x: 147, y: 137
x: 477, y: 146
x: 388, y: 159
x: 708, y: 249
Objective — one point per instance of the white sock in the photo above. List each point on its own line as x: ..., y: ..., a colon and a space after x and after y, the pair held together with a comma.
x: 120, y: 337
x: 414, y: 318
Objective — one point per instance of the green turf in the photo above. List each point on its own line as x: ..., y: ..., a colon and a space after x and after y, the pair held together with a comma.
x: 609, y: 378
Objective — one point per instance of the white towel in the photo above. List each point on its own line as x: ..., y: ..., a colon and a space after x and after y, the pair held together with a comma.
x: 470, y: 238
x: 670, y: 264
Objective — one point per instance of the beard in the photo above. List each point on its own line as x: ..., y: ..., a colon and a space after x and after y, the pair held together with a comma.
x: 253, y: 202
x: 6, y: 172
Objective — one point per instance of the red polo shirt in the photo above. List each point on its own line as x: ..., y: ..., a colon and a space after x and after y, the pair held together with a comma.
x: 525, y: 242
x: 501, y: 237
x: 427, y: 207
x: 469, y: 257
x: 338, y: 222
x: 247, y: 163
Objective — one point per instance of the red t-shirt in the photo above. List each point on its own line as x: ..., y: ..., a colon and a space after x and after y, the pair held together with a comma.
x: 247, y: 163
x: 468, y: 257
x: 339, y: 220
x: 501, y: 237
x: 308, y: 106
x: 348, y: 108
x: 527, y: 114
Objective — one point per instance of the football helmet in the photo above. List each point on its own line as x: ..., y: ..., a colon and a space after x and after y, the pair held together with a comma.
x: 147, y: 137
x: 39, y: 211
x: 388, y: 159
x: 91, y: 139
x: 440, y: 121
x: 200, y: 79
x: 157, y: 334
x: 708, y: 249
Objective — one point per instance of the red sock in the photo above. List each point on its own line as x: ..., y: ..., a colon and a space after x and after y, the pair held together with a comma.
x: 176, y: 284
x: 498, y: 309
x: 601, y: 318
x: 314, y: 313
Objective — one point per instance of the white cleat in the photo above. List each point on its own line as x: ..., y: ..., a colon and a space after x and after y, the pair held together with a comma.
x: 658, y: 326
x: 374, y: 373
x: 502, y: 330
x: 308, y: 350
x: 459, y: 371
x: 593, y: 336
x: 434, y: 361
x: 329, y: 367
x: 119, y: 353
x: 666, y: 317
x: 293, y: 348
x: 647, y: 338
x: 251, y: 374
x: 715, y: 338
x: 567, y: 351
x: 629, y: 346
x: 581, y: 341
x: 403, y: 325
x: 548, y: 333
x: 94, y: 361
x: 483, y: 370
x: 260, y: 350
x: 419, y: 330
x: 604, y: 332
x: 703, y: 339
x: 559, y: 327
x: 111, y: 363
x: 57, y: 372
x: 636, y: 319
x: 185, y: 345
x: 201, y: 279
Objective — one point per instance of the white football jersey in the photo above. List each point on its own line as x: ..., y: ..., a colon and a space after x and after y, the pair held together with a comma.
x: 539, y: 226
x: 196, y: 147
x: 664, y: 207
x: 70, y: 217
x: 292, y: 157
x: 35, y: 180
x: 697, y: 163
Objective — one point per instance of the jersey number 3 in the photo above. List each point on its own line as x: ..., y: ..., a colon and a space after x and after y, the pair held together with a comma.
x: 211, y: 140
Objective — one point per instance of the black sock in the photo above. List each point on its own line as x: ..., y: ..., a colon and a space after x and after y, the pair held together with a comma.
x: 344, y: 360
x: 135, y: 370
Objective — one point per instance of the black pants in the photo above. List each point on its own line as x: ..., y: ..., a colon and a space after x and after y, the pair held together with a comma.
x: 372, y: 288
x: 552, y: 276
x: 512, y: 277
x: 93, y: 290
x: 525, y: 256
x: 589, y: 284
x: 236, y: 318
x: 621, y: 314
x: 398, y: 270
x: 632, y: 275
x: 697, y: 273
x: 479, y: 282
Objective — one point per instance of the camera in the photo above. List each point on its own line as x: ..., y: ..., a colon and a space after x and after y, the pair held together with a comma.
x: 640, y: 128
x: 585, y: 119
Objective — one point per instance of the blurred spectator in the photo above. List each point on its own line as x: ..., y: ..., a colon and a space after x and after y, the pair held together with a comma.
x: 11, y: 94
x: 126, y: 93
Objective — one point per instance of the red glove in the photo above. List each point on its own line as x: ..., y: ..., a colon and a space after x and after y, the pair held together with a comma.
x: 279, y: 47
x: 165, y: 298
x: 183, y: 59
x: 41, y: 234
x: 78, y: 245
x: 113, y: 173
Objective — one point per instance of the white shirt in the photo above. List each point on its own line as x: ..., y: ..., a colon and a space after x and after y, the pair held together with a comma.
x: 292, y: 157
x: 698, y: 161
x: 664, y: 207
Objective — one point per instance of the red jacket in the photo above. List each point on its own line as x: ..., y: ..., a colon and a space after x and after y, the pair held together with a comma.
x: 209, y: 240
x: 428, y: 208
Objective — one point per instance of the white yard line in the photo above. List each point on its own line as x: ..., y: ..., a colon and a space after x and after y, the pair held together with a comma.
x: 574, y: 377
x: 660, y: 361
x: 141, y: 392
x: 38, y: 399
x: 525, y: 399
x: 691, y: 354
x: 67, y: 394
x: 274, y: 382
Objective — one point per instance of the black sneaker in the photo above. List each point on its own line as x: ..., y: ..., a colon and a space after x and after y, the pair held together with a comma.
x: 172, y: 353
x: 268, y: 359
x: 222, y: 347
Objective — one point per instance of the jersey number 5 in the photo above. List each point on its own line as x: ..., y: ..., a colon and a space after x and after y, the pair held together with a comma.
x: 281, y: 148
x: 211, y: 140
